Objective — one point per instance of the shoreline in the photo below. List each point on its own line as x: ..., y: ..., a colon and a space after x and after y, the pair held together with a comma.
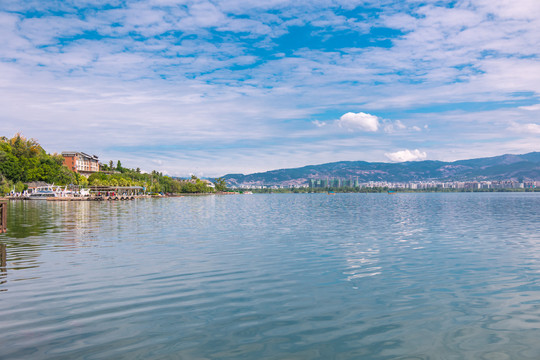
x: 257, y: 191
x: 112, y: 198
x: 392, y: 190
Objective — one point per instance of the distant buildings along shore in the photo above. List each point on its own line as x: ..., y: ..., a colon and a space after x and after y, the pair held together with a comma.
x: 337, y: 183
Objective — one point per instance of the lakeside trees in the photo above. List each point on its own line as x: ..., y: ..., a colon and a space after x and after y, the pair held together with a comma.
x: 220, y: 184
x: 153, y: 182
x: 23, y: 160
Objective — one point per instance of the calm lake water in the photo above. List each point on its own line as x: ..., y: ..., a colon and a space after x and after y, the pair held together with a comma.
x: 295, y: 276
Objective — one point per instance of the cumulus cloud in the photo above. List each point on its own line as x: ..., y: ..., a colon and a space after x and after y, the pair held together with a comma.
x: 406, y: 155
x: 359, y: 121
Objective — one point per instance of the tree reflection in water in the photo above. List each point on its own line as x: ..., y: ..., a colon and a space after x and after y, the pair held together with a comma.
x: 3, y: 264
x: 29, y: 223
x: 34, y: 227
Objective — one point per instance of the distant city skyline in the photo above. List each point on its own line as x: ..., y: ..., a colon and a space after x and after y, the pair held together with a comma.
x: 339, y: 183
x: 217, y: 87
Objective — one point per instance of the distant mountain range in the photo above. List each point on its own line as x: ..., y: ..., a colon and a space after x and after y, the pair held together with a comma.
x: 504, y: 167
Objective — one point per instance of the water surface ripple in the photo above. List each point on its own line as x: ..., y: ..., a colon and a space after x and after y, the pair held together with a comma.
x: 296, y: 276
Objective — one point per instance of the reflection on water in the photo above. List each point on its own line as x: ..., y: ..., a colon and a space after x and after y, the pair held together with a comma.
x: 3, y: 264
x: 362, y: 263
x: 350, y: 276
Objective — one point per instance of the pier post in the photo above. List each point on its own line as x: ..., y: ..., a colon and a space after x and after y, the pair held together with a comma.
x: 3, y: 259
x: 3, y: 216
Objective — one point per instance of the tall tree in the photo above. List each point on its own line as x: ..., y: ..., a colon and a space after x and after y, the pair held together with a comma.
x: 220, y: 184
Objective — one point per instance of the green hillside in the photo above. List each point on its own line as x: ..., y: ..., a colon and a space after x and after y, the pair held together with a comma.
x: 504, y: 167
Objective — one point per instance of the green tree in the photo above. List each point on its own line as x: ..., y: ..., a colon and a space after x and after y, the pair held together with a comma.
x: 20, y: 187
x: 189, y: 187
x: 82, y: 181
x: 4, y: 185
x: 23, y: 147
x: 220, y: 184
x: 25, y: 160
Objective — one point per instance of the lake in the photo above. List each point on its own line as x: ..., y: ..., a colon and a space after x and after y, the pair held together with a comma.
x: 277, y: 276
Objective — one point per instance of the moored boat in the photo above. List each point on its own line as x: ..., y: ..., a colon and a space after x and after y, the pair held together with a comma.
x: 43, y: 193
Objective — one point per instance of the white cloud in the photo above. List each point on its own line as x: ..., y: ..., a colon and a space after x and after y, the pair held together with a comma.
x: 391, y: 127
x: 531, y: 108
x: 530, y: 128
x: 400, y: 125
x: 406, y: 155
x: 533, y: 128
x: 388, y: 128
x: 359, y: 121
x: 318, y: 123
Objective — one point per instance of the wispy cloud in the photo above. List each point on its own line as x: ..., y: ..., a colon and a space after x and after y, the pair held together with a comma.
x: 318, y: 123
x: 530, y: 128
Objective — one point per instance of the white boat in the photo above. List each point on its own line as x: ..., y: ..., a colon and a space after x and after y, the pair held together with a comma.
x: 84, y: 192
x: 42, y: 193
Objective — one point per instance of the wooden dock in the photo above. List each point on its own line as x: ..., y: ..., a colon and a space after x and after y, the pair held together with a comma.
x: 84, y: 198
x: 99, y: 198
x: 3, y: 216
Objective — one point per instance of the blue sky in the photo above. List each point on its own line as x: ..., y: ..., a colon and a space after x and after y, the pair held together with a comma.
x: 216, y: 87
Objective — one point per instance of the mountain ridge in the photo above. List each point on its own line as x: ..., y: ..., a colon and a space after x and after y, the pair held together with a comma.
x: 501, y: 167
